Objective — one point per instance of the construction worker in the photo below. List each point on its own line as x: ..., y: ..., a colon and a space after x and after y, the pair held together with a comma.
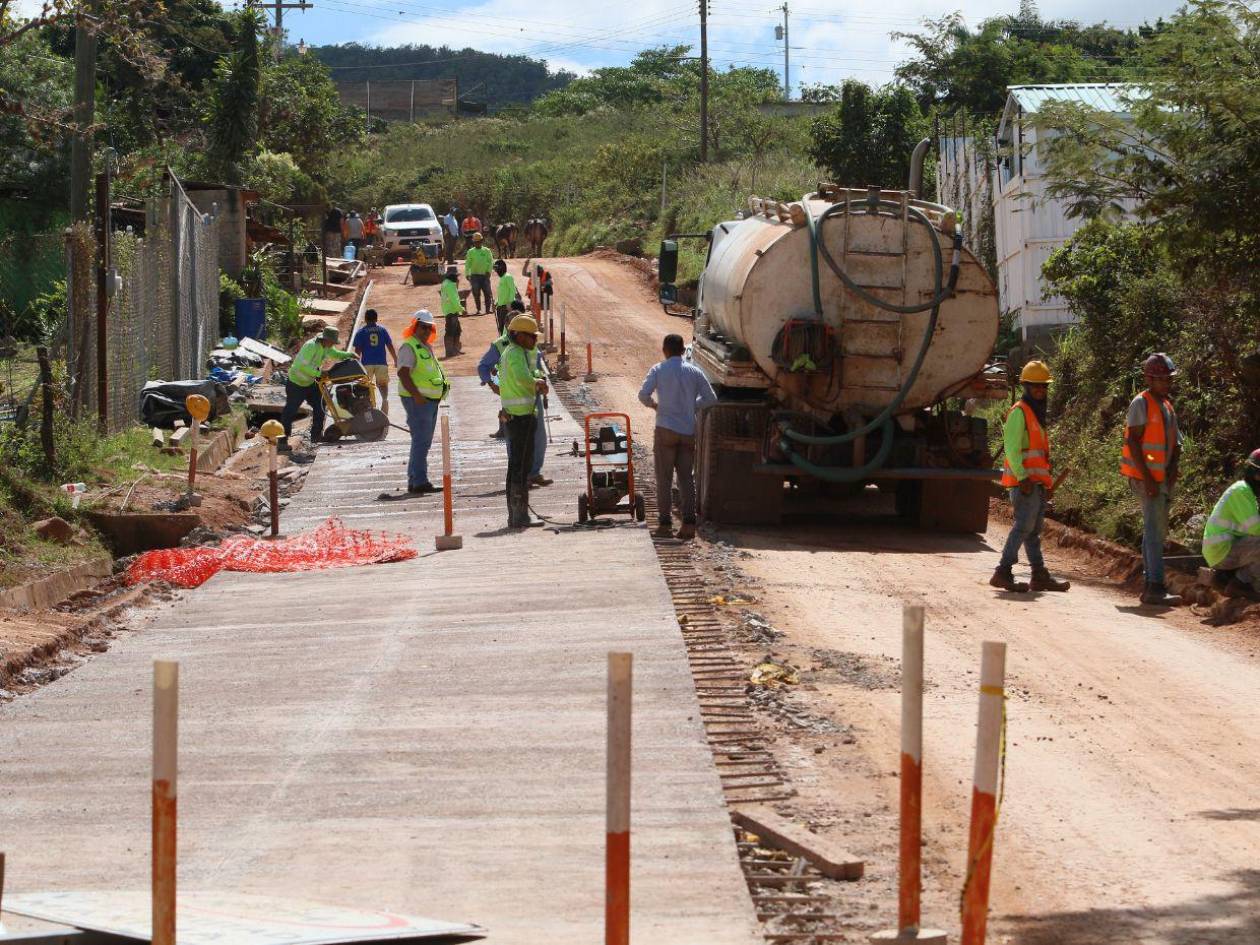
x: 450, y: 234
x: 520, y: 384
x: 452, y: 308
x: 1026, y: 477
x: 372, y: 227
x: 301, y: 385
x: 538, y: 289
x: 486, y: 371
x: 424, y: 386
x: 1149, y: 459
x: 370, y: 344
x: 470, y: 227
x: 681, y: 390
x: 1231, y: 537
x: 504, y: 295
x: 477, y: 265
x: 353, y: 229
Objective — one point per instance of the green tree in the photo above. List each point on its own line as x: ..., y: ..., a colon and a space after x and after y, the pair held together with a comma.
x: 868, y: 138
x: 231, y: 111
x: 301, y: 114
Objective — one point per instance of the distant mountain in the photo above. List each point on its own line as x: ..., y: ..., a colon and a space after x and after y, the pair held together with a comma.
x: 483, y: 77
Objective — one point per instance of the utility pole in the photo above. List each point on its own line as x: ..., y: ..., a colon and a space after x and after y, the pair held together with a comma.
x: 102, y: 298
x: 278, y: 7
x: 787, y: 84
x: 704, y: 81
x: 84, y: 116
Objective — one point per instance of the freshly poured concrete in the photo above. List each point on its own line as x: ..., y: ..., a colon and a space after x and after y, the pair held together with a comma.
x: 426, y: 737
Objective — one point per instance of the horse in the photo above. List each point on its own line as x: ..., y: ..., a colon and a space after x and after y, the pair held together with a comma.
x: 536, y: 233
x: 505, y: 240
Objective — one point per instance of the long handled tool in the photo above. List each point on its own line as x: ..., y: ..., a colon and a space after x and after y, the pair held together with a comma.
x: 546, y: 403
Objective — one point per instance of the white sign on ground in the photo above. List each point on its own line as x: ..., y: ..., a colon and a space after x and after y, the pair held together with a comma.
x: 211, y: 918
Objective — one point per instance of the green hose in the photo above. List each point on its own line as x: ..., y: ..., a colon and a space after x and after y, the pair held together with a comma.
x: 941, y: 291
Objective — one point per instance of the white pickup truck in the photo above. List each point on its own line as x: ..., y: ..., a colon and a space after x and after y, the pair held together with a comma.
x: 405, y: 227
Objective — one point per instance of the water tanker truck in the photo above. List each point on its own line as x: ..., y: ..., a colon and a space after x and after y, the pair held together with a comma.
x: 837, y: 332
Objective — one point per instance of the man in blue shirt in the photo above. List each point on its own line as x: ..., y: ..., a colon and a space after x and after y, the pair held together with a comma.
x: 487, y: 371
x: 370, y: 344
x: 450, y: 233
x: 681, y: 390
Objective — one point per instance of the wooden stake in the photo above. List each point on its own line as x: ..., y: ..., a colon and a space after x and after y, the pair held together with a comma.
x: 274, y: 483
x: 193, y: 432
x: 975, y: 908
x: 911, y: 768
x: 617, y: 867
x: 165, y: 761
x: 448, y: 540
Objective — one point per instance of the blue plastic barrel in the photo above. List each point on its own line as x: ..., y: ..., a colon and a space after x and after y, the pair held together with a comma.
x: 251, y: 318
x: 350, y: 251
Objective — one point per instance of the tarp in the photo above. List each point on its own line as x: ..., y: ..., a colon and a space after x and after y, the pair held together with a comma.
x: 331, y: 545
x: 162, y: 402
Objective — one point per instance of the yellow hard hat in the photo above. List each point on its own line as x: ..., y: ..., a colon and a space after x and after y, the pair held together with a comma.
x: 197, y: 406
x: 1035, y: 372
x: 272, y: 429
x: 477, y: 237
x: 523, y: 323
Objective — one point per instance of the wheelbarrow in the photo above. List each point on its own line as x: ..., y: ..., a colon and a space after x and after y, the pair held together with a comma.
x: 609, y: 470
x: 349, y: 397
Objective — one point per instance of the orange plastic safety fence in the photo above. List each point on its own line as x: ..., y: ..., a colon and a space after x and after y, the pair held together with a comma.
x: 331, y: 545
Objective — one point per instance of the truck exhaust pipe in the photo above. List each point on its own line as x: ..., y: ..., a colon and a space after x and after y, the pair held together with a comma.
x: 916, y: 167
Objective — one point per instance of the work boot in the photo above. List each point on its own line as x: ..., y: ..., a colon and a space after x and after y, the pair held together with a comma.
x: 540, y: 480
x: 1157, y: 595
x: 1003, y: 578
x: 663, y: 530
x: 523, y: 515
x: 514, y: 520
x: 1043, y: 580
x: 687, y: 531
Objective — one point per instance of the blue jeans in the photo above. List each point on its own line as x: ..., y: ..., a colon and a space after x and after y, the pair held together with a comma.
x: 1154, y: 530
x: 1030, y: 515
x: 540, y: 441
x: 421, y: 420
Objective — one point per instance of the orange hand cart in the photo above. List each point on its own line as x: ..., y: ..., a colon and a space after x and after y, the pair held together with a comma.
x: 609, y: 470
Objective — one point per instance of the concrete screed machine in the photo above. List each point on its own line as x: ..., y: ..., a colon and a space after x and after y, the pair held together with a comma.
x: 841, y: 334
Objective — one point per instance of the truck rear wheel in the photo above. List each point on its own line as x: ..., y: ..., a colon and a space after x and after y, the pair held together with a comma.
x: 728, y: 448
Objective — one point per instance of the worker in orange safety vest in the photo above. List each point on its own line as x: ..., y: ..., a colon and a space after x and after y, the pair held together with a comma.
x: 1148, y: 459
x: 1026, y: 477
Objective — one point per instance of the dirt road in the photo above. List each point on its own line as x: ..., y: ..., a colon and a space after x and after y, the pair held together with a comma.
x: 1132, y: 756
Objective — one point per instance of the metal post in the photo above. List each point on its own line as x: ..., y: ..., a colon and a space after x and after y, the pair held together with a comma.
x: 975, y: 906
x: 165, y: 762
x: 617, y: 863
x: 102, y: 300
x: 787, y: 83
x: 274, y: 487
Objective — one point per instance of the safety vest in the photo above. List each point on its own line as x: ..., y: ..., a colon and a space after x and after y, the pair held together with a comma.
x: 427, y: 375
x: 516, y: 381
x: 451, y: 305
x: 1236, y: 515
x: 478, y: 261
x: 505, y: 291
x: 1155, y: 446
x: 471, y: 224
x: 1035, y: 454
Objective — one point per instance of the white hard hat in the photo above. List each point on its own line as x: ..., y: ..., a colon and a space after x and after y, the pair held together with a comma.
x: 424, y: 317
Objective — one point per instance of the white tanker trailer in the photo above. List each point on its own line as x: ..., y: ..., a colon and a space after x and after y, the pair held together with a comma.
x: 835, y: 331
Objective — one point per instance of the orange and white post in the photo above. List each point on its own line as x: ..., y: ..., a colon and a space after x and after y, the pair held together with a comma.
x: 448, y: 540
x: 165, y: 755
x: 910, y: 866
x: 617, y: 865
x: 975, y: 902
x: 590, y: 363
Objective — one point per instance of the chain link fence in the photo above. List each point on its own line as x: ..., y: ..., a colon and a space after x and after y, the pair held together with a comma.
x: 162, y: 320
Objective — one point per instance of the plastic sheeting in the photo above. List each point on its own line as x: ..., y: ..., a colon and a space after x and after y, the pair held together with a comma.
x: 331, y: 545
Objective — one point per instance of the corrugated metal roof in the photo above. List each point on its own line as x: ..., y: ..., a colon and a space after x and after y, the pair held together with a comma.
x: 1104, y: 96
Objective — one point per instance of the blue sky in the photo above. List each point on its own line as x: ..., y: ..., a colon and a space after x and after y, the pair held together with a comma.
x: 830, y: 42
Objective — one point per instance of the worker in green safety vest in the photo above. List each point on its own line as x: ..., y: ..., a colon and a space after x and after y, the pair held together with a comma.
x: 1231, y: 537
x: 452, y: 308
x: 477, y: 263
x: 504, y: 295
x: 424, y: 385
x: 301, y: 384
x: 521, y: 380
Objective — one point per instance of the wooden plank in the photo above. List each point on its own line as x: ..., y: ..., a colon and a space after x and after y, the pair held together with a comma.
x: 775, y: 831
